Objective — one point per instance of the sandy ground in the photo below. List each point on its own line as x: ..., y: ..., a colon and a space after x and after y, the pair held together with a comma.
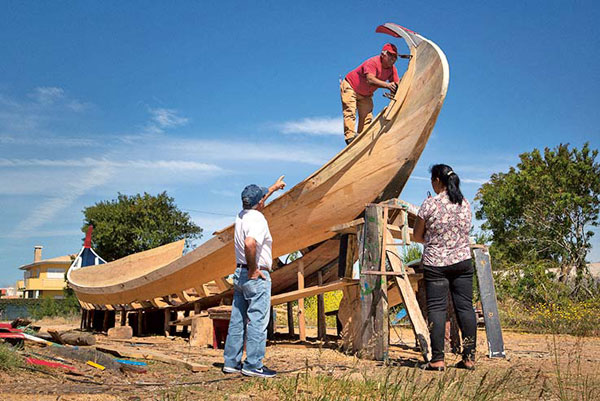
x: 531, y: 355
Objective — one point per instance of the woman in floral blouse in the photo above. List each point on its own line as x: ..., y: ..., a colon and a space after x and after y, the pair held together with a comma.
x: 443, y: 226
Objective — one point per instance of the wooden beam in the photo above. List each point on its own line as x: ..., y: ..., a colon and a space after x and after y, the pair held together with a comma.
x: 347, y: 228
x: 373, y: 341
x: 347, y: 255
x: 271, y: 326
x: 310, y: 291
x: 290, y: 318
x: 140, y: 323
x: 123, y: 318
x: 136, y: 305
x: 159, y: 302
x: 105, y: 321
x: 410, y: 302
x: 200, y: 290
x: 321, y: 323
x: 301, y: 316
x: 166, y: 322
x: 222, y: 284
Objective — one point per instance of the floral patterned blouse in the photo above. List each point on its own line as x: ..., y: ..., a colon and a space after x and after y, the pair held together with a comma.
x: 447, y: 227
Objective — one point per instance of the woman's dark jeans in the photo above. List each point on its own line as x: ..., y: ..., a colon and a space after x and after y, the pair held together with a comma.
x: 459, y: 279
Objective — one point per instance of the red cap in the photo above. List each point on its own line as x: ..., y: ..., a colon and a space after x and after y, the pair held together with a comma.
x: 390, y: 48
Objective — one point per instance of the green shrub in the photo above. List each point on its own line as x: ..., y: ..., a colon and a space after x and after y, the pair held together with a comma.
x: 9, y: 359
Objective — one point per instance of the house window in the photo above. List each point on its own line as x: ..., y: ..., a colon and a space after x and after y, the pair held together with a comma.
x: 55, y: 273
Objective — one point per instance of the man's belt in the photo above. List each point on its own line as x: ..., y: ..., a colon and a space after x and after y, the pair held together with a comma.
x: 245, y: 266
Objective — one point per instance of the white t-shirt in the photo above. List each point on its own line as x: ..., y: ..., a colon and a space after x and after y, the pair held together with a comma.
x: 252, y: 223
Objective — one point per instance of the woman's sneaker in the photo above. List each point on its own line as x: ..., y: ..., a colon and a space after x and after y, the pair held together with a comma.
x: 229, y: 369
x: 262, y: 372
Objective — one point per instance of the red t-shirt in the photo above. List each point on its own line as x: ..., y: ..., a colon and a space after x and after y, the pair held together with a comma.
x: 358, y: 77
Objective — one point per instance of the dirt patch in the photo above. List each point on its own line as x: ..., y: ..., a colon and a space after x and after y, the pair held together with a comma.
x: 534, y: 359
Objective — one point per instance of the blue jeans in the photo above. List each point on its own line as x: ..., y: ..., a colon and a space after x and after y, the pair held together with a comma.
x: 249, y: 320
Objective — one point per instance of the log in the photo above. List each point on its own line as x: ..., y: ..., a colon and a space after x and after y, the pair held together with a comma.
x: 73, y: 337
x: 139, y: 353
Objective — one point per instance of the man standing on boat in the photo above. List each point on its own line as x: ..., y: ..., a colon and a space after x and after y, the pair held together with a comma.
x: 359, y: 85
x: 252, y: 285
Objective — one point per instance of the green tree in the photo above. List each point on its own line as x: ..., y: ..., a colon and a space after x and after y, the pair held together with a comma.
x: 131, y: 224
x: 542, y: 209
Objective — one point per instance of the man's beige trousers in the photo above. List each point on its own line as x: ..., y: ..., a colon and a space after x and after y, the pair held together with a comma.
x: 351, y: 101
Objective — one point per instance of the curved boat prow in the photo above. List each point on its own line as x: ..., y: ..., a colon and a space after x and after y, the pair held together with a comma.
x: 375, y: 166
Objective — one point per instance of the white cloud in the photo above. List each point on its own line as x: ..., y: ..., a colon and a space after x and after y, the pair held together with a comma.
x: 250, y: 151
x: 313, y: 126
x: 47, y: 94
x: 46, y: 141
x: 162, y: 119
x: 90, y: 162
x: 48, y: 209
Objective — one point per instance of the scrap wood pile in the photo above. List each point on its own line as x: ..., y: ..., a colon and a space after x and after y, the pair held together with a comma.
x: 74, y: 353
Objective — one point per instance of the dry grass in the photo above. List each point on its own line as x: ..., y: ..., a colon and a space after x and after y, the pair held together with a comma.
x: 9, y: 359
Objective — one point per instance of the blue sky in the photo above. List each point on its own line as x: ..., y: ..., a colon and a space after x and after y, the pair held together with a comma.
x: 200, y: 99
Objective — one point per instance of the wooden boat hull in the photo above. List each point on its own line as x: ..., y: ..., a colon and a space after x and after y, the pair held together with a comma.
x: 374, y: 167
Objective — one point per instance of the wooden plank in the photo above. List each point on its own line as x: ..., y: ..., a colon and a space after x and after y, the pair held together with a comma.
x: 310, y: 291
x: 222, y: 284
x: 410, y: 302
x: 321, y: 323
x: 373, y: 342
x: 159, y: 302
x: 347, y: 228
x: 140, y: 353
x: 200, y: 290
x: 301, y: 316
x: 489, y: 303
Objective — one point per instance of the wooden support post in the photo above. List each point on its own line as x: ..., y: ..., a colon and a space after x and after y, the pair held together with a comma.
x: 167, y: 313
x: 83, y: 318
x: 301, y: 316
x: 184, y: 330
x: 172, y: 316
x: 105, y: 321
x: 347, y: 256
x: 290, y: 318
x: 197, y: 308
x: 123, y: 317
x: 410, y: 301
x: 140, y: 323
x: 91, y: 319
x: 374, y: 326
x: 321, y: 323
x: 271, y: 325
x: 489, y: 302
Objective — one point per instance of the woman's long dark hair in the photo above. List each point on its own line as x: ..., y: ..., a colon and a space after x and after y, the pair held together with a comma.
x: 450, y: 180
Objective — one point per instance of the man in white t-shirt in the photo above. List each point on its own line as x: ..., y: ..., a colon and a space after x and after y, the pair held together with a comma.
x: 252, y: 285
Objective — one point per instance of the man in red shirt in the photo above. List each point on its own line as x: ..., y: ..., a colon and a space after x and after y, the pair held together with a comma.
x: 358, y: 87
